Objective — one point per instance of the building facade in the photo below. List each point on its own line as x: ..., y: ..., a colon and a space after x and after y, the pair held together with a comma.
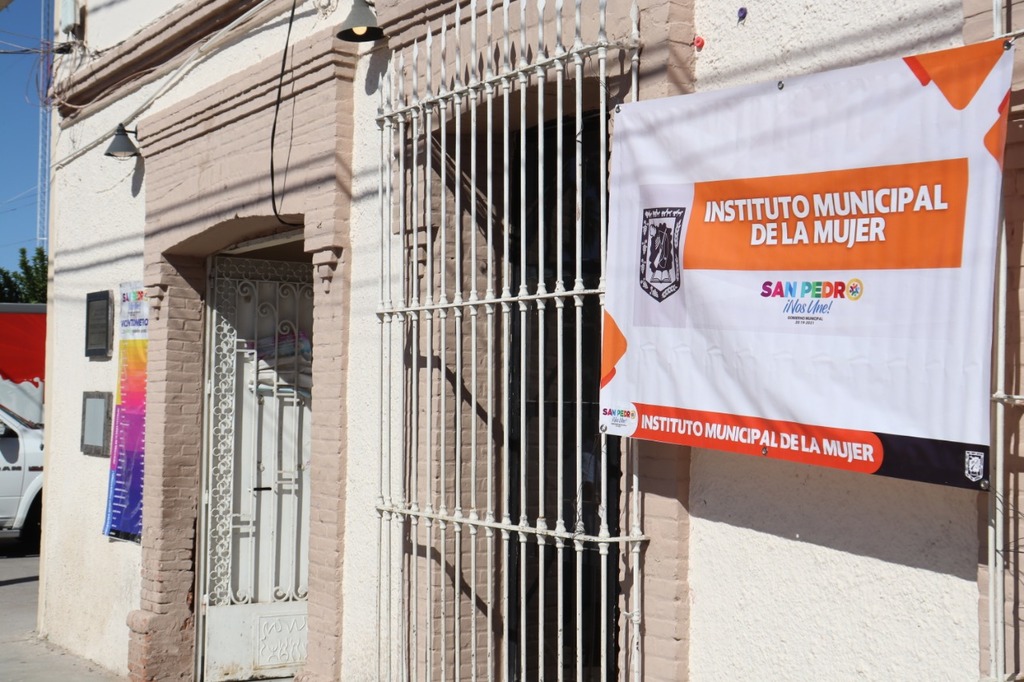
x: 374, y: 276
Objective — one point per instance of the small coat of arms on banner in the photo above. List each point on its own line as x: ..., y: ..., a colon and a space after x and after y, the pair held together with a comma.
x: 659, y: 251
x: 974, y: 465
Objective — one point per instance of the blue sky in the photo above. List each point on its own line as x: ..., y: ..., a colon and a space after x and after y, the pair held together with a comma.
x: 19, y: 129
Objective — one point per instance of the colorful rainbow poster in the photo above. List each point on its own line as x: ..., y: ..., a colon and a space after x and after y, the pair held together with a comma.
x: 802, y: 270
x: 127, y: 462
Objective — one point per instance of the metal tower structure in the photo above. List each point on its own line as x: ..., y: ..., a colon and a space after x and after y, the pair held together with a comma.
x: 43, y: 176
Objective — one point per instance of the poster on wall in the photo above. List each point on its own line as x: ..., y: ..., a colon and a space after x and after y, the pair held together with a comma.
x: 127, y: 461
x: 803, y: 269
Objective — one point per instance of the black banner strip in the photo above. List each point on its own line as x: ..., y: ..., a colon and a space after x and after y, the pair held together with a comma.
x: 963, y: 465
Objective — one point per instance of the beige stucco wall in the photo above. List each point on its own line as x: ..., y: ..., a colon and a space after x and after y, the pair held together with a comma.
x: 359, y: 575
x: 109, y: 22
x: 780, y: 39
x: 798, y: 573
x: 87, y: 582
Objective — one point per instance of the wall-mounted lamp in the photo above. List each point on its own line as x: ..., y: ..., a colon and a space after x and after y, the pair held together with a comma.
x: 361, y: 24
x: 122, y: 147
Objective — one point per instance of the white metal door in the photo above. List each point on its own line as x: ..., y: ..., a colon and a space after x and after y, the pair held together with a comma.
x: 256, y: 476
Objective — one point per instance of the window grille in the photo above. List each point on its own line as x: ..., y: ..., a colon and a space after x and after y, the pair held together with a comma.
x: 510, y: 531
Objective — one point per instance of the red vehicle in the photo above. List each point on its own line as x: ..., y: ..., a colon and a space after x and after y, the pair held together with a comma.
x: 22, y: 366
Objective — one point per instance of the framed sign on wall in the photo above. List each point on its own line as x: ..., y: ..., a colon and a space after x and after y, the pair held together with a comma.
x: 99, y: 324
x: 96, y: 414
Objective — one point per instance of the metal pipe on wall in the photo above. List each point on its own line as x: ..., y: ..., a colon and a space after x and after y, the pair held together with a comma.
x: 997, y: 506
x: 997, y: 493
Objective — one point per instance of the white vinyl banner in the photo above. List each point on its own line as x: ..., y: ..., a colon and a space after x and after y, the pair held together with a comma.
x: 804, y: 269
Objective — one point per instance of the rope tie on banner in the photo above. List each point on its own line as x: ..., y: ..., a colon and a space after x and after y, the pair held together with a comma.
x: 1009, y: 38
x: 1011, y: 400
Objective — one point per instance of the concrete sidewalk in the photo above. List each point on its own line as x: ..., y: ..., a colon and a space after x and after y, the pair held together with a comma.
x: 23, y: 656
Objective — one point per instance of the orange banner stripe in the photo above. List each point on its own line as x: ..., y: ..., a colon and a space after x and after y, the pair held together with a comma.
x: 905, y: 216
x: 846, y: 449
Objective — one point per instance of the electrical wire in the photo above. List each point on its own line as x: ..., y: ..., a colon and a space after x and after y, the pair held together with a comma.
x: 21, y: 241
x: 45, y: 48
x: 170, y: 81
x: 20, y: 195
x: 273, y: 127
x: 18, y: 35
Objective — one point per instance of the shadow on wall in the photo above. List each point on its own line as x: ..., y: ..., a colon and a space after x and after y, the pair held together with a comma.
x: 919, y: 525
x: 138, y: 175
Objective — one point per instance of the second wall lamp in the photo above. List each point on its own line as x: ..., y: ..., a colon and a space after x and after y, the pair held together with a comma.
x: 122, y: 147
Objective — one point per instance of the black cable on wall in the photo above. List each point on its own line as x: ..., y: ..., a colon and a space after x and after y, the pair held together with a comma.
x: 273, y: 128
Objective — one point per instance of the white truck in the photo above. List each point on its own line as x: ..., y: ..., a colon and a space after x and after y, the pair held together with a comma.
x: 21, y: 478
x: 22, y: 361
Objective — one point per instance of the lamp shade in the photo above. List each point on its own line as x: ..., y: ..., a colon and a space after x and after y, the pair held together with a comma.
x: 121, y: 147
x: 361, y: 24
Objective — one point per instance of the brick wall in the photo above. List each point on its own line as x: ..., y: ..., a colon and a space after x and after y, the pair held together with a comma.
x: 162, y: 631
x: 327, y: 465
x: 665, y: 498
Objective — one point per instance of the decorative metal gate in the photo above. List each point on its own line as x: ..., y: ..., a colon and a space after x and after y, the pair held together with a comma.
x: 510, y: 527
x: 256, y: 473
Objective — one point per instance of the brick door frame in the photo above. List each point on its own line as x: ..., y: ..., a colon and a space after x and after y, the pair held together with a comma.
x: 207, y: 182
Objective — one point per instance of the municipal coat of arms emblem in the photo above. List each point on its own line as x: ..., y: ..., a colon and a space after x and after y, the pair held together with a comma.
x: 660, y: 267
x: 974, y: 465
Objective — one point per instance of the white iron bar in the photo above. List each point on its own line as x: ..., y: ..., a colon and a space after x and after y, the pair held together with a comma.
x: 560, y: 344
x: 457, y: 113
x: 247, y: 583
x: 416, y: 383
x: 603, y: 532
x: 428, y: 158
x: 291, y: 496
x: 577, y: 545
x: 997, y: 572
x: 506, y: 325
x: 627, y: 446
x: 442, y: 314
x: 524, y: 81
x: 383, y: 365
x: 577, y: 42
x: 403, y: 293
x: 474, y: 346
x: 489, y: 293
x: 267, y: 580
x: 578, y: 300
x: 542, y: 481
x: 638, y: 539
x: 473, y: 341
x: 524, y: 298
x: 404, y: 647
x: 474, y: 311
x: 602, y: 60
x: 387, y: 517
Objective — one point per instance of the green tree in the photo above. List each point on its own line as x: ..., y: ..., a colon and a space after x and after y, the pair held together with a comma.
x: 27, y: 284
